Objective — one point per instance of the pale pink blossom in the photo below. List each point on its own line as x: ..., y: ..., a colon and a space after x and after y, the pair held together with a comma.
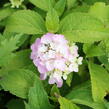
x: 54, y: 57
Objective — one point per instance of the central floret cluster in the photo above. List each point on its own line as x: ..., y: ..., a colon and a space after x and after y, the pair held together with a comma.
x: 55, y: 58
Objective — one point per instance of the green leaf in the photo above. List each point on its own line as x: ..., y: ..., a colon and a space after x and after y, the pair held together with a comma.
x: 18, y: 82
x: 43, y: 4
x: 105, y: 46
x: 70, y: 3
x: 66, y: 104
x: 15, y: 103
x: 60, y: 6
x: 85, y: 36
x: 52, y: 21
x: 0, y: 88
x: 20, y: 60
x: 80, y: 21
x: 5, y: 12
x: 91, y: 2
x: 23, y: 37
x: 99, y: 80
x: 104, y: 61
x: 38, y: 98
x: 26, y: 21
x: 101, y: 11
x: 82, y: 95
x: 7, y: 46
x: 54, y: 91
x: 81, y: 27
x: 107, y: 105
x: 83, y: 8
x: 92, y: 50
x: 69, y: 79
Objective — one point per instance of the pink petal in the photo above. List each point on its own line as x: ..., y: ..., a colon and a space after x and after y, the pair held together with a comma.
x: 46, y: 37
x: 42, y: 69
x: 51, y: 80
x: 50, y: 65
x: 43, y: 76
x: 60, y: 64
x: 59, y: 82
x: 35, y: 45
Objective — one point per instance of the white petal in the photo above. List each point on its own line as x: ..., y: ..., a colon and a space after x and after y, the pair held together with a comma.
x: 65, y: 76
x: 50, y: 65
x: 51, y: 54
x: 80, y: 60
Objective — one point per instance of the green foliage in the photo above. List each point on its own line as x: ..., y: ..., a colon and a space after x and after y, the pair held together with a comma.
x: 38, y: 98
x: 26, y: 21
x: 66, y: 104
x: 82, y: 95
x: 15, y: 103
x: 7, y: 46
x: 43, y: 4
x: 92, y: 50
x: 69, y: 79
x: 100, y: 11
x: 85, y: 22
x: 52, y: 21
x: 5, y: 12
x: 60, y: 6
x: 20, y: 60
x: 104, y: 61
x: 70, y: 3
x: 18, y: 82
x: 81, y: 27
x: 54, y: 91
x: 99, y: 79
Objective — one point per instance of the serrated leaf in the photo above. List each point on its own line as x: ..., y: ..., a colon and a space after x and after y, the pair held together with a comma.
x: 7, y: 46
x: 82, y: 95
x: 5, y: 12
x: 85, y: 36
x: 18, y: 82
x: 67, y: 104
x: 80, y: 21
x: 60, y: 6
x: 52, y: 21
x: 99, y: 80
x: 20, y: 60
x: 26, y: 21
x: 43, y: 4
x: 38, y: 98
x: 92, y: 50
x: 81, y: 27
x: 101, y: 11
x: 15, y: 103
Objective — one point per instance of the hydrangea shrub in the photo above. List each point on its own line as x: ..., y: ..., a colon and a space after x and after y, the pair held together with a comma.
x: 54, y: 54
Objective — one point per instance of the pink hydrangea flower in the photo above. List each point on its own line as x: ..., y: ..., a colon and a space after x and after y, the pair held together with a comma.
x: 54, y: 57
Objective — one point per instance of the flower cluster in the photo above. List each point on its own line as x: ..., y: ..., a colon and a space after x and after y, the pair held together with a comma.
x: 16, y: 3
x: 54, y: 57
